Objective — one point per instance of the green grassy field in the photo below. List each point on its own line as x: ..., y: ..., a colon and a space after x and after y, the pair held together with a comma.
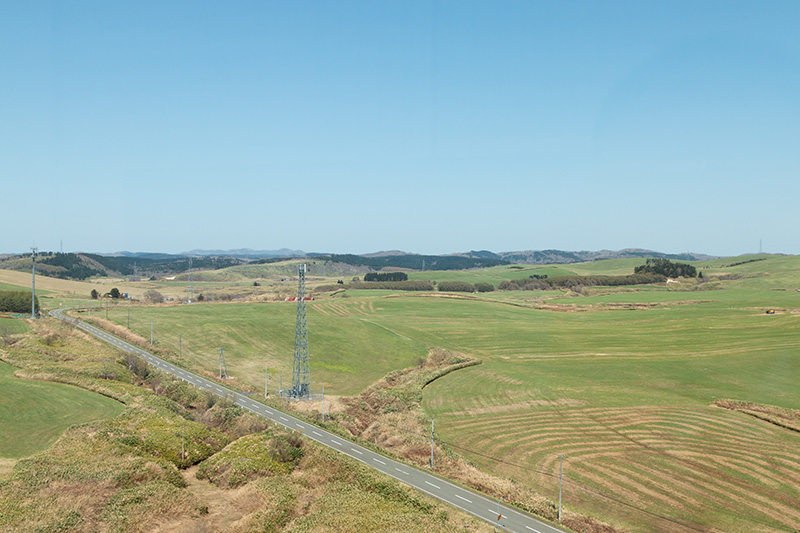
x: 349, y: 349
x: 493, y: 275
x: 619, y: 380
x: 34, y: 413
x: 12, y: 326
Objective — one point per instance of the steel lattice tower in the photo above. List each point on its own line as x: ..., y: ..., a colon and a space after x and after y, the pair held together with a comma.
x: 301, y: 379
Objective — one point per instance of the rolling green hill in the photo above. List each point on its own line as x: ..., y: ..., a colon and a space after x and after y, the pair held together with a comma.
x: 620, y: 380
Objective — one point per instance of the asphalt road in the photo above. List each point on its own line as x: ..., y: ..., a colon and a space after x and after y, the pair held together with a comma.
x: 475, y: 504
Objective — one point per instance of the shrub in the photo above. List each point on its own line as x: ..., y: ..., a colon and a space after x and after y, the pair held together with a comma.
x: 456, y: 286
x: 484, y: 287
x: 153, y: 296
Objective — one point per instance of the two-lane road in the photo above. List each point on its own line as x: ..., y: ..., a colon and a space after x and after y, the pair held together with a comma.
x: 476, y: 504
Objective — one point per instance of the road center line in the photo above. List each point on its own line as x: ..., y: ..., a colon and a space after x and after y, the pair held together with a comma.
x: 432, y: 485
x: 463, y: 498
x: 379, y: 461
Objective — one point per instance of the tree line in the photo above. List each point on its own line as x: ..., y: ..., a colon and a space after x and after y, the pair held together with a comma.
x: 666, y: 268
x: 17, y: 302
x: 385, y: 276
x: 569, y: 282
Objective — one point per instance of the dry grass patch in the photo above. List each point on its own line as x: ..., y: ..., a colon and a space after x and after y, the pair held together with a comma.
x: 785, y: 418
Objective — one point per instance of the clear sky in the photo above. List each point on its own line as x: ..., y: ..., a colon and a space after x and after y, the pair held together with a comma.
x: 429, y: 127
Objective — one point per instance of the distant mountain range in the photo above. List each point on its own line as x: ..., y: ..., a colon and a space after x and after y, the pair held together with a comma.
x: 85, y: 265
x: 528, y: 257
x: 549, y: 257
x: 248, y: 253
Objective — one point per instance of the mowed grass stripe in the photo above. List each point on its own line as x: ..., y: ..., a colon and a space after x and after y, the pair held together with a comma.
x: 686, y: 443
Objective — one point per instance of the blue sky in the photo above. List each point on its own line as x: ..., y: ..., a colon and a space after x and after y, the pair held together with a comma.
x: 430, y: 127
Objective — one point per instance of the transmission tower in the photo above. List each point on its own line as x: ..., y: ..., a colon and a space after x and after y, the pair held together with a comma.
x: 300, y: 375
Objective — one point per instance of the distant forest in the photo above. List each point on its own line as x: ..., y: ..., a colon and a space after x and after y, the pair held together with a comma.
x: 82, y: 266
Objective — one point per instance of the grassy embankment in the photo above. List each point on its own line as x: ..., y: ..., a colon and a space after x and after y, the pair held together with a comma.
x: 127, y: 473
x: 622, y: 382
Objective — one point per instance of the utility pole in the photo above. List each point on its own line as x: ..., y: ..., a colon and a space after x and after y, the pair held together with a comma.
x: 560, y: 471
x: 223, y: 368
x: 431, y: 445
x: 191, y: 288
x: 33, y: 282
x: 499, y: 515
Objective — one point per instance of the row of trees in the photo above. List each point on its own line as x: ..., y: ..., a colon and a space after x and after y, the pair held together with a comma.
x: 386, y: 276
x: 412, y: 285
x: 17, y: 302
x: 665, y: 267
x: 569, y: 282
x: 463, y: 286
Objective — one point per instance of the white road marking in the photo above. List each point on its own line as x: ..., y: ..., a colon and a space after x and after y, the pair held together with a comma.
x: 463, y: 498
x: 401, y: 471
x: 284, y: 418
x: 316, y: 433
x: 379, y: 461
x: 358, y: 452
x: 336, y: 442
x: 301, y: 426
x: 536, y: 530
x: 432, y: 485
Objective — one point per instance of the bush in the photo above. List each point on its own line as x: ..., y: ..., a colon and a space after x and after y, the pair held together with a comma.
x: 153, y: 296
x: 456, y: 286
x: 484, y: 287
